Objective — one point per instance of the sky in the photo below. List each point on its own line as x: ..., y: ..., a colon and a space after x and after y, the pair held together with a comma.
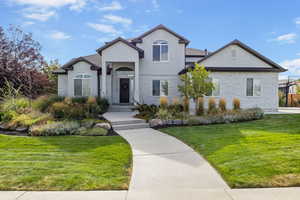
x: 73, y: 28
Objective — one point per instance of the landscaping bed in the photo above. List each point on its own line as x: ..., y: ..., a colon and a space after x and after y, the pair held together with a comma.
x: 54, y: 116
x: 64, y: 163
x: 261, y: 153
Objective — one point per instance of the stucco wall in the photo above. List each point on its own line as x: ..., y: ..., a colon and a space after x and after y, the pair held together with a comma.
x: 119, y: 52
x: 79, y: 68
x: 193, y: 59
x: 233, y: 85
x: 146, y: 85
x: 176, y: 55
x: 242, y: 58
x: 62, y: 85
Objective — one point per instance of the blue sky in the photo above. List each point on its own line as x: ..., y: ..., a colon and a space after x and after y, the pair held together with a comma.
x: 72, y: 28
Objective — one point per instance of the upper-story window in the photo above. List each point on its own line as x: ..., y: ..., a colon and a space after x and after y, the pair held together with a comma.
x: 160, y: 51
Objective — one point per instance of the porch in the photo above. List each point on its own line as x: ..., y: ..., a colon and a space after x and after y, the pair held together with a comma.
x: 121, y: 85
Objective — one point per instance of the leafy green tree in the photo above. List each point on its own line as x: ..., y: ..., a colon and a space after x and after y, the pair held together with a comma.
x: 196, y: 83
x: 48, y: 69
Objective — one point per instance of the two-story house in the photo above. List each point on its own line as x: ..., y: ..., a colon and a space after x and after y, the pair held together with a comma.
x: 135, y: 70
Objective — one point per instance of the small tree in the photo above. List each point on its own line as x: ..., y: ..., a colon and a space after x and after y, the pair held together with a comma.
x: 196, y: 83
x: 48, y: 69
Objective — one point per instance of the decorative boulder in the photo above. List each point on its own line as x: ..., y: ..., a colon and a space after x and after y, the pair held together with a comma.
x: 22, y: 129
x: 106, y: 126
x: 156, y: 122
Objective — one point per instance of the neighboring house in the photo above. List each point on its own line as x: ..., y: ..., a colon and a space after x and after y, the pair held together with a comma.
x: 291, y: 85
x: 130, y: 71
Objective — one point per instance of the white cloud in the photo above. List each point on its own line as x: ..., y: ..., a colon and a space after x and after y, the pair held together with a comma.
x: 287, y: 38
x: 74, y: 4
x: 40, y: 15
x: 297, y: 21
x: 115, y: 5
x: 28, y: 23
x: 155, y: 4
x: 104, y: 39
x: 117, y: 19
x: 58, y: 35
x: 292, y: 65
x: 103, y: 28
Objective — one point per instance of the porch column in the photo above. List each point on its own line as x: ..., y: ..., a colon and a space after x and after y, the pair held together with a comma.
x: 103, y: 80
x: 136, y: 82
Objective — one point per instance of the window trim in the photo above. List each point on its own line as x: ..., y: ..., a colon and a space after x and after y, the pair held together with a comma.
x: 84, y: 76
x: 261, y: 88
x: 212, y: 79
x: 160, y: 88
x: 160, y: 51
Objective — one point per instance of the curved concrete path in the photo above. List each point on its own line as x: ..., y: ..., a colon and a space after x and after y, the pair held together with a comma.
x: 163, y: 165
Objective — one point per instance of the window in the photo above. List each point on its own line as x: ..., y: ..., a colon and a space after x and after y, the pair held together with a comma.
x: 253, y: 87
x: 160, y: 51
x: 216, y: 90
x: 160, y: 88
x: 82, y: 85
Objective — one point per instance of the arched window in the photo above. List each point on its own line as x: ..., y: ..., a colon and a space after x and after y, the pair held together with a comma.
x: 160, y: 51
x: 82, y: 85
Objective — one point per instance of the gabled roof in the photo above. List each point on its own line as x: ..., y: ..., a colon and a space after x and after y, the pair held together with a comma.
x: 248, y: 49
x: 68, y: 66
x: 119, y: 39
x: 192, y: 52
x: 94, y: 60
x: 140, y: 38
x: 276, y: 67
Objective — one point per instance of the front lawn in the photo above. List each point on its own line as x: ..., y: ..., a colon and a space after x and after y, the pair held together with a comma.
x: 262, y: 153
x: 64, y: 163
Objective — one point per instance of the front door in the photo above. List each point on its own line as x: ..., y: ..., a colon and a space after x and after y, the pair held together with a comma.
x: 124, y: 90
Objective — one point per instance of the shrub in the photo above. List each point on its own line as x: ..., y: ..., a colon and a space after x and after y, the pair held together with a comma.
x: 103, y: 104
x: 281, y: 97
x: 222, y: 104
x: 19, y: 105
x: 200, y: 106
x: 55, y: 129
x: 236, y: 104
x: 43, y: 103
x: 92, y: 107
x: 80, y: 100
x: 97, y: 131
x: 59, y: 110
x: 32, y: 118
x: 192, y: 121
x: 186, y: 104
x: 77, y: 111
x: 163, y: 114
x: 212, y: 108
x: 68, y: 101
x: 163, y: 102
x: 146, y: 112
x: 175, y: 101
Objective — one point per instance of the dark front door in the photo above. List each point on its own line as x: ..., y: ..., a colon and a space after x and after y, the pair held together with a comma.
x: 124, y: 90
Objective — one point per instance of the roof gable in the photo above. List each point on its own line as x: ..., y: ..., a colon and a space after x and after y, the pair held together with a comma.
x: 119, y: 39
x: 160, y: 27
x: 246, y: 48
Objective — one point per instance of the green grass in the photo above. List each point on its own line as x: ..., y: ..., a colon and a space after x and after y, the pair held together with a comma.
x: 262, y: 153
x: 64, y: 163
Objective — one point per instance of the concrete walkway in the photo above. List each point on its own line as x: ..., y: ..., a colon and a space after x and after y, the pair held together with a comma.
x: 164, y: 168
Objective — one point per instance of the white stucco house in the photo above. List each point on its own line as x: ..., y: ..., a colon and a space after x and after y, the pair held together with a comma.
x: 134, y: 70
